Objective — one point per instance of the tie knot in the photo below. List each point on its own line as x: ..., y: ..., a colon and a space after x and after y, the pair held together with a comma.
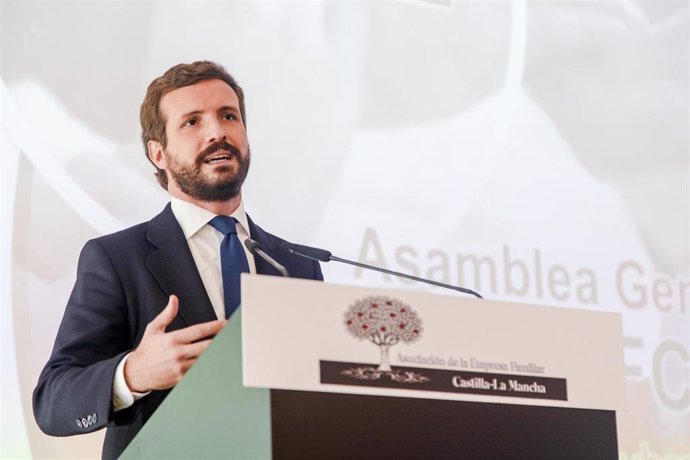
x: 224, y: 224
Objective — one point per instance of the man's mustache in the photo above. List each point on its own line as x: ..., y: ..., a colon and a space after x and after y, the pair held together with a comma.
x: 213, y: 148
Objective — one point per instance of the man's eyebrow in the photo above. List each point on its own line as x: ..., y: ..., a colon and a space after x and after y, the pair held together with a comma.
x: 229, y: 108
x: 225, y: 108
x: 189, y: 114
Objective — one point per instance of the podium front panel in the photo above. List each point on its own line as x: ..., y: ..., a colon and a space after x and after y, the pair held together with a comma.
x: 308, y: 425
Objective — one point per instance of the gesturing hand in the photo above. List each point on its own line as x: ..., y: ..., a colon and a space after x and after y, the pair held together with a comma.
x: 162, y: 358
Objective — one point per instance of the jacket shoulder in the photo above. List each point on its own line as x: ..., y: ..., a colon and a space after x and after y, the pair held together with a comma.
x: 143, y: 234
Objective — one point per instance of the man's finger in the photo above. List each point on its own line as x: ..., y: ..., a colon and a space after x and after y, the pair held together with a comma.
x: 193, y: 350
x: 165, y: 317
x: 198, y: 331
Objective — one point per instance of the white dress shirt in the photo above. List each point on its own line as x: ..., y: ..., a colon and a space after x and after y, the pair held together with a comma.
x: 204, y: 244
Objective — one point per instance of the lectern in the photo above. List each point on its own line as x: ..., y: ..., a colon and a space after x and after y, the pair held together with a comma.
x: 312, y: 370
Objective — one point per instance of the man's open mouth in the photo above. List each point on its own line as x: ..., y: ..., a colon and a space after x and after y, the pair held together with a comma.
x: 219, y: 157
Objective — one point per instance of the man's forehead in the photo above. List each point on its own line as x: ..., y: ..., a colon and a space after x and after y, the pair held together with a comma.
x: 202, y: 96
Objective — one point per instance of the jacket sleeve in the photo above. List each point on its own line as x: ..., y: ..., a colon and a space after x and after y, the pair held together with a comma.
x: 74, y: 391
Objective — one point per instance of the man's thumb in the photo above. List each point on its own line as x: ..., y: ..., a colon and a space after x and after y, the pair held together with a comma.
x: 167, y: 315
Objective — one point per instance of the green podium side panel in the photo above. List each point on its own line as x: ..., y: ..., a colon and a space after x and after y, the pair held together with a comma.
x: 209, y: 414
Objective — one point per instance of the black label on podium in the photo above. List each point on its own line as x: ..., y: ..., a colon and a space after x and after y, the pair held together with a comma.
x: 444, y: 380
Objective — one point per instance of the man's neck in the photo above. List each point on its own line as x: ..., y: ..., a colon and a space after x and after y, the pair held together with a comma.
x: 220, y: 208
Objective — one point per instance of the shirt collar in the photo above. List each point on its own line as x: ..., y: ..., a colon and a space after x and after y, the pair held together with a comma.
x: 192, y: 218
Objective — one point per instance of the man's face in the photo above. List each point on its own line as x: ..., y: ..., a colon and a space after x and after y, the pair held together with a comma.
x: 207, y: 155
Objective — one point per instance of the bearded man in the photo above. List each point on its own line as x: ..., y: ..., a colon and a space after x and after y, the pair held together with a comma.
x: 147, y: 300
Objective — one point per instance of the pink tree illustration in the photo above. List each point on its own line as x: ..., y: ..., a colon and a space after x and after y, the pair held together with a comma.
x: 384, y: 321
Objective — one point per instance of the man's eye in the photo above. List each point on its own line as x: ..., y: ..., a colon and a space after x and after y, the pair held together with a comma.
x: 191, y: 122
x: 228, y: 116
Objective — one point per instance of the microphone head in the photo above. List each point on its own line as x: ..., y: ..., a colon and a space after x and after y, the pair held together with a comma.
x: 305, y: 251
x: 252, y: 245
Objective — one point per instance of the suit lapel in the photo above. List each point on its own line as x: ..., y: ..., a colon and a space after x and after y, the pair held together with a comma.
x: 173, y: 267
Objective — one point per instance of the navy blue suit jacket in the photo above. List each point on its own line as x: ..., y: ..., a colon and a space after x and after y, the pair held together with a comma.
x: 123, y: 282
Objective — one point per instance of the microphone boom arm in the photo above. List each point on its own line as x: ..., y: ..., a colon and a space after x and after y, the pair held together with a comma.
x: 255, y: 248
x: 283, y: 271
x: 403, y: 275
x: 321, y: 255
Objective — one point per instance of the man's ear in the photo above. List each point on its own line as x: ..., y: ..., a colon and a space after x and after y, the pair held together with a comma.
x: 156, y: 155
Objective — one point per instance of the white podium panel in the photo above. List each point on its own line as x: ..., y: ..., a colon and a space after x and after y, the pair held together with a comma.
x: 313, y: 336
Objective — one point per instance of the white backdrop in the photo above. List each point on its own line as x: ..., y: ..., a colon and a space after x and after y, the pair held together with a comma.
x: 537, y: 152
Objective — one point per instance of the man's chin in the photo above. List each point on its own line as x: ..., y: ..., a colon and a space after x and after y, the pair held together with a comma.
x: 211, y: 183
x: 211, y: 191
x: 217, y: 195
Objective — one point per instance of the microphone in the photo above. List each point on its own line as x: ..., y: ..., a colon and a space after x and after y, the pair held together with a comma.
x: 325, y: 256
x: 255, y: 248
x: 310, y: 253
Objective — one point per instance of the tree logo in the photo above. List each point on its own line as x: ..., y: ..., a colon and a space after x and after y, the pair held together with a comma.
x: 384, y: 321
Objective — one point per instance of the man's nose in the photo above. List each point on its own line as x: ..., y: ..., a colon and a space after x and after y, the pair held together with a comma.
x: 215, y: 132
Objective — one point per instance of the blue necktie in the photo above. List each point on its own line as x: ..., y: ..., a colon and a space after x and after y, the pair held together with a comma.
x: 233, y: 261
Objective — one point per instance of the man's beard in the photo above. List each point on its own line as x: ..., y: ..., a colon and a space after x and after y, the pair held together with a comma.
x: 190, y: 180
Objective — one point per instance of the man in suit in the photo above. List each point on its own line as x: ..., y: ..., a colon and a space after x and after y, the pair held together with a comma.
x: 147, y: 300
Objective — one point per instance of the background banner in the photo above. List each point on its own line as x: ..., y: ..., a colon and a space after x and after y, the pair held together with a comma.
x: 536, y: 152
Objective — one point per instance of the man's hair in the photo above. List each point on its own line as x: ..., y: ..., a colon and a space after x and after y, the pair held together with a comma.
x: 179, y: 76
